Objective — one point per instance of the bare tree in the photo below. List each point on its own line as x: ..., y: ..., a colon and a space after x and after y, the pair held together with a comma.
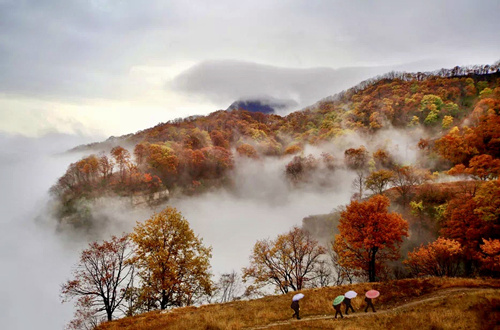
x: 323, y: 274
x: 101, y: 278
x: 358, y: 184
x: 287, y: 262
x: 229, y: 287
x: 407, y: 177
x: 340, y: 273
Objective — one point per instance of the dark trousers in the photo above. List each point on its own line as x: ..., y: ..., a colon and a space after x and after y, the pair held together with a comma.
x: 347, y: 306
x: 296, y: 309
x: 369, y: 304
x: 338, y: 311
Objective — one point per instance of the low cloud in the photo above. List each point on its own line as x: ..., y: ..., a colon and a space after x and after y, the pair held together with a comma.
x: 35, y: 260
x: 261, y: 204
x: 225, y: 81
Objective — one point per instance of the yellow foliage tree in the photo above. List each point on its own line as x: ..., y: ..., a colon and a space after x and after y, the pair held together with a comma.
x: 172, y: 262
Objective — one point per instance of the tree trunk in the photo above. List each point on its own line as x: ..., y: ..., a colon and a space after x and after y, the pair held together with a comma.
x: 371, y: 265
x: 164, y: 300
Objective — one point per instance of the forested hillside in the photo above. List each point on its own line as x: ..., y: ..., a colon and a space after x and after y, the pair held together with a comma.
x: 427, y: 209
x: 456, y: 113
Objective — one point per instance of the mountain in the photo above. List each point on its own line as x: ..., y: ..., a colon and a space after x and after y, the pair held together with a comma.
x: 427, y: 145
x: 197, y: 154
x: 267, y: 106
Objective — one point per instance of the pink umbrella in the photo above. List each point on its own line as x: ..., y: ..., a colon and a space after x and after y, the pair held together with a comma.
x: 372, y: 294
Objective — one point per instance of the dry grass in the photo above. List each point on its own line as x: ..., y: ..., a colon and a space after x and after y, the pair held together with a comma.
x: 440, y: 313
x: 467, y: 310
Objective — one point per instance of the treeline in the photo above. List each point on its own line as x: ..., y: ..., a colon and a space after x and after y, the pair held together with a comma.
x: 457, y: 71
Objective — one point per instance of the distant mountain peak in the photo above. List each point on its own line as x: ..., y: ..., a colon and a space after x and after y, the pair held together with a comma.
x: 264, y: 105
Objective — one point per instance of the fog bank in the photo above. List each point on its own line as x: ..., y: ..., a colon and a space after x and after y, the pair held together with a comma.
x: 35, y: 261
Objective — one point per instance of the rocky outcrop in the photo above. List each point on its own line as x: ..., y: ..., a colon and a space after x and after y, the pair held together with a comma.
x: 152, y: 198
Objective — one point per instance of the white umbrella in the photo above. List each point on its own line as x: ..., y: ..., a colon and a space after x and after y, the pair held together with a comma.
x: 298, y: 296
x: 350, y: 294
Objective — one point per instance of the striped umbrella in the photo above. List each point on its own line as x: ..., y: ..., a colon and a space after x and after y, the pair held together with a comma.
x: 338, y: 300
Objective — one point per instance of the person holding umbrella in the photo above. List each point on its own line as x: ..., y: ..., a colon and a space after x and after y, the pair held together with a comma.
x: 372, y: 294
x: 295, y: 304
x: 336, y: 304
x: 347, y: 301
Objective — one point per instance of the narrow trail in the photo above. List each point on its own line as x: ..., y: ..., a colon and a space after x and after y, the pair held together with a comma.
x: 417, y: 301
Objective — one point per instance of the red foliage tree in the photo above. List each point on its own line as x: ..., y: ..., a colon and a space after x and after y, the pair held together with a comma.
x: 369, y: 236
x: 470, y: 219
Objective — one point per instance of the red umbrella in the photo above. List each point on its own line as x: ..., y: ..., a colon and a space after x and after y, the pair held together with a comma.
x: 372, y: 294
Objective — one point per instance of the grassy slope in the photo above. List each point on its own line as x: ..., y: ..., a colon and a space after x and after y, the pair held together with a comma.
x: 448, y: 309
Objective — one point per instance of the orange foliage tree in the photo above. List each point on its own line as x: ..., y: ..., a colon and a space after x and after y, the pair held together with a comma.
x: 101, y: 279
x: 484, y: 167
x: 490, y: 255
x: 356, y: 159
x: 369, y: 236
x: 460, y: 145
x: 288, y: 262
x: 163, y: 160
x: 471, y: 218
x: 122, y: 159
x: 247, y: 150
x: 488, y: 202
x: 217, y: 161
x: 439, y: 258
x: 172, y: 262
x: 383, y: 159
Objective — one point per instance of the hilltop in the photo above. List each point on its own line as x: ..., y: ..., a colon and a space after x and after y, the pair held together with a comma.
x: 429, y: 303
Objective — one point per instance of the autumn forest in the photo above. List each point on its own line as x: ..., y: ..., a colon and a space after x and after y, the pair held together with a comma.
x: 434, y: 213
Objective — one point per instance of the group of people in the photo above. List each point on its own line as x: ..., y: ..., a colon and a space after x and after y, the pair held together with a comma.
x: 337, y: 303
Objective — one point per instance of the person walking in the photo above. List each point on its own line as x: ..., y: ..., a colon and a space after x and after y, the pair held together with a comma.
x: 337, y: 303
x: 295, y: 306
x: 337, y: 310
x: 369, y: 303
x: 347, y: 303
x: 369, y: 295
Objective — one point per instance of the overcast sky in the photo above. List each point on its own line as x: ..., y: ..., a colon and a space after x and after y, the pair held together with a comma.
x: 112, y: 67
